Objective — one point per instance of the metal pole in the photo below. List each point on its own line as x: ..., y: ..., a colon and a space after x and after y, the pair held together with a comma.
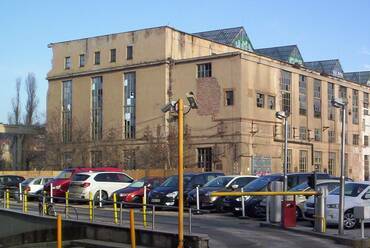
x: 144, y: 207
x: 20, y: 192
x: 362, y: 228
x: 198, y: 207
x: 67, y: 204
x: 100, y: 201
x: 51, y: 193
x: 267, y: 209
x: 243, y: 204
x: 285, y: 155
x: 180, y: 106
x: 59, y: 231
x: 341, y: 199
x: 120, y: 213
x: 190, y: 220
x: 153, y: 217
x: 132, y: 228
x: 115, y: 208
x: 90, y: 207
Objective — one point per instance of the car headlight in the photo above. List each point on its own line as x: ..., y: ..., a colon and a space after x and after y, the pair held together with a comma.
x: 172, y: 194
x: 57, y: 187
x: 213, y: 198
x: 332, y: 205
x: 239, y: 199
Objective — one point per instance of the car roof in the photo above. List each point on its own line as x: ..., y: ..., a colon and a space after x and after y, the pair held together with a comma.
x: 90, y: 173
x: 361, y: 182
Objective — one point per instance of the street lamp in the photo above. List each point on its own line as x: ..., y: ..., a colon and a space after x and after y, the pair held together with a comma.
x: 283, y: 115
x: 341, y: 104
x: 178, y: 107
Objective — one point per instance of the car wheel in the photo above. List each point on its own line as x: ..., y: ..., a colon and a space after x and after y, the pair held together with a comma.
x: 349, y: 220
x: 104, y: 197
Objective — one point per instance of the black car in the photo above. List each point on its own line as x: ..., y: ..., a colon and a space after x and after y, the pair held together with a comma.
x: 253, y: 206
x: 11, y: 183
x: 223, y: 183
x: 167, y: 193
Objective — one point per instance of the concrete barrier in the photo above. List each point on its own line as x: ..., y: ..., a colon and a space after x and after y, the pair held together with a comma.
x: 18, y: 228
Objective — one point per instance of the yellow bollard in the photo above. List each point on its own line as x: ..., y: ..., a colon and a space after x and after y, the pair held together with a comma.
x: 144, y: 207
x: 59, y: 231
x: 132, y: 228
x: 44, y: 204
x: 67, y: 203
x: 115, y: 208
x: 7, y: 199
x: 90, y: 207
x: 25, y: 202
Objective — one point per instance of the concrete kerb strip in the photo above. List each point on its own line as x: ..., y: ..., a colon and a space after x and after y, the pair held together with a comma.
x: 354, y: 242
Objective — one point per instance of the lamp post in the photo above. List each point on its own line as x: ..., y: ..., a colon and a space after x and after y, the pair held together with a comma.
x: 283, y: 115
x: 341, y: 104
x: 178, y: 107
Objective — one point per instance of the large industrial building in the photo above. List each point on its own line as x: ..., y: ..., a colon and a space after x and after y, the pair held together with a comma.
x: 106, y: 93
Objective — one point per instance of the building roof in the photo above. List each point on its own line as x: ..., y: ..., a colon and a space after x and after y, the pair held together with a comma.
x: 290, y: 54
x: 236, y: 36
x: 330, y: 67
x: 361, y: 77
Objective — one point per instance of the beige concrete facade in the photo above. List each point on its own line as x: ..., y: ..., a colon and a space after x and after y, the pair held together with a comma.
x: 165, y: 62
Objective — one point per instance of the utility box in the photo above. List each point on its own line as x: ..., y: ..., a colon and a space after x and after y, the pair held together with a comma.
x: 288, y: 214
x: 362, y: 213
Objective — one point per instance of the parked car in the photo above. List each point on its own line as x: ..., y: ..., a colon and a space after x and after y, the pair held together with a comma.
x: 167, y: 193
x: 253, y: 206
x: 92, y: 182
x: 134, y: 192
x: 356, y: 194
x: 222, y: 183
x: 63, y: 179
x: 11, y: 183
x: 33, y: 186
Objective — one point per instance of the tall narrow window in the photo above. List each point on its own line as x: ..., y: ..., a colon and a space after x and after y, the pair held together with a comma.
x: 67, y: 63
x: 82, y: 60
x: 317, y: 160
x: 130, y: 105
x: 285, y: 90
x: 112, y: 55
x: 366, y: 103
x: 355, y: 139
x: 346, y: 165
x: 331, y: 136
x: 317, y: 98
x: 130, y: 52
x: 67, y: 111
x: 205, y: 158
x: 289, y: 161
x: 343, y: 95
x: 271, y: 102
x: 366, y: 140
x: 260, y: 100
x: 97, y: 58
x: 332, y: 163
x: 229, y: 97
x: 204, y: 70
x: 303, y: 157
x: 331, y: 96
x: 318, y: 134
x: 355, y: 103
x: 302, y: 133
x: 366, y: 167
x: 97, y: 108
x: 302, y: 95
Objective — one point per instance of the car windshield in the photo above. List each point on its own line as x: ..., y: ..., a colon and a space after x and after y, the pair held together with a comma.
x: 64, y: 175
x: 351, y: 189
x: 173, y: 181
x: 260, y: 183
x: 218, y: 182
x: 137, y: 184
x: 300, y: 187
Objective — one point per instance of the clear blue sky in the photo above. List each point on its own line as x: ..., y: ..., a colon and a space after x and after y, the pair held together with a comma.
x: 321, y: 29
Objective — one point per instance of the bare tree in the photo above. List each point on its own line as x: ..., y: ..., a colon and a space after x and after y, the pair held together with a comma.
x: 14, y: 116
x: 32, y: 100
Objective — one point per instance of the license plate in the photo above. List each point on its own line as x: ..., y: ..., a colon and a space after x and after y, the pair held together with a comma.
x: 156, y: 200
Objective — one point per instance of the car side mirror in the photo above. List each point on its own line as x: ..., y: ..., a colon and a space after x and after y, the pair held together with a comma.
x: 234, y: 186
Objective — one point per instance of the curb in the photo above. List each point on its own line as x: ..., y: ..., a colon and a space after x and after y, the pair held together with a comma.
x: 354, y: 242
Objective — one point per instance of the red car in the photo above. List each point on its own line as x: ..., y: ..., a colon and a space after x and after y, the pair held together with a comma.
x: 62, y: 181
x: 135, y: 191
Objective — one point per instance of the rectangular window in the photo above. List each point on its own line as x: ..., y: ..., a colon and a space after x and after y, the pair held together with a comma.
x: 366, y: 103
x: 96, y: 159
x: 67, y: 111
x: 366, y: 140
x: 355, y: 139
x: 366, y: 167
x: 302, y: 95
x: 302, y: 133
x: 285, y: 90
x: 229, y: 97
x: 317, y: 160
x: 130, y: 105
x: 112, y: 55
x: 97, y: 108
x: 331, y: 136
x: 343, y: 95
x: 318, y: 134
x: 332, y: 163
x: 289, y: 161
x: 303, y: 157
x: 331, y: 108
x: 260, y: 100
x: 271, y: 102
x: 355, y: 103
x: 205, y: 158
x: 346, y: 165
x: 129, y: 52
x: 82, y: 60
x: 204, y: 70
x: 97, y: 58
x: 317, y: 98
x: 67, y: 63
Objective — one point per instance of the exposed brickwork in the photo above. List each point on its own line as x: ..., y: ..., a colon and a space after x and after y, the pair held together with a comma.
x: 208, y: 96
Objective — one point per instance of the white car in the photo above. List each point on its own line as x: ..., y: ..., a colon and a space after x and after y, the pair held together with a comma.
x: 35, y: 185
x: 92, y: 182
x: 356, y: 194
